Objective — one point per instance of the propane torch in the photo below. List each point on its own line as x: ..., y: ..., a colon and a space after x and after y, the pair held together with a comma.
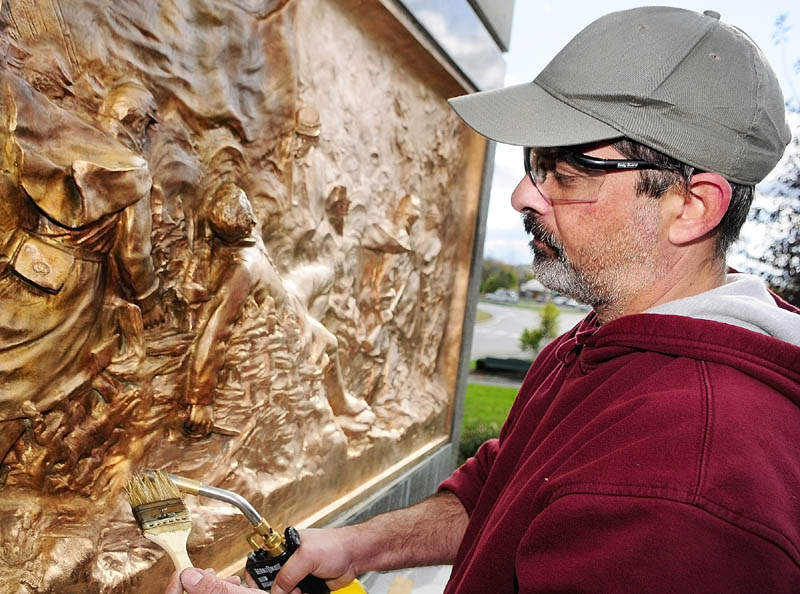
x: 270, y: 549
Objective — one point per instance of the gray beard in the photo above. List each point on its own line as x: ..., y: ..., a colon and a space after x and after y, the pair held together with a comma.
x: 555, y: 271
x: 558, y: 274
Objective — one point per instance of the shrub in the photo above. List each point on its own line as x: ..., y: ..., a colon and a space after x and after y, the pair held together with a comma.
x: 531, y: 338
x: 549, y: 323
x: 473, y: 436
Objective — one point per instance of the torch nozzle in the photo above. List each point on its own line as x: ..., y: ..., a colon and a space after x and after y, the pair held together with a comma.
x: 273, y: 542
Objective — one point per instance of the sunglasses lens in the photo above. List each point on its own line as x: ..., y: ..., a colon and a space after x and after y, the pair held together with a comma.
x: 559, y: 179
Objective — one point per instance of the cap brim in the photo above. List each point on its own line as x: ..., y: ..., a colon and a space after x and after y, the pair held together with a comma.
x: 527, y: 115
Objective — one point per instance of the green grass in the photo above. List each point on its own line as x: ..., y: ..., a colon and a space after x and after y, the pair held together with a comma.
x: 532, y: 305
x: 524, y: 304
x: 482, y: 316
x: 487, y: 404
x: 485, y: 410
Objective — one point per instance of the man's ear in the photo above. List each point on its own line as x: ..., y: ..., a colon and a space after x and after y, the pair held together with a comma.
x: 704, y: 205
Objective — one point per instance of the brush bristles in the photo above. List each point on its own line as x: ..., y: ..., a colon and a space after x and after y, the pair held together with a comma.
x: 159, y: 510
x: 151, y: 487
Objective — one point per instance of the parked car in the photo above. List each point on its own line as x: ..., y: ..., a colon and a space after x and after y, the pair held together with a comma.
x: 569, y: 302
x: 503, y: 296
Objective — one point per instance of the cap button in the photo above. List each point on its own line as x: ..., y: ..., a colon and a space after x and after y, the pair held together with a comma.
x: 712, y: 13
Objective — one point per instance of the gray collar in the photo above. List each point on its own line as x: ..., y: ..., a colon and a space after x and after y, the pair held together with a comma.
x: 742, y: 301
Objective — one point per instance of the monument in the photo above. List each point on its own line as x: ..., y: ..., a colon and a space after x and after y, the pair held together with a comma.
x: 235, y: 244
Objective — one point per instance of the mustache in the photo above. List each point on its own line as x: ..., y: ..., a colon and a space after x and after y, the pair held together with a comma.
x: 534, y: 227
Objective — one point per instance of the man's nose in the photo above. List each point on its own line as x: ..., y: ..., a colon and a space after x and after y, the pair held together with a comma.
x: 526, y: 197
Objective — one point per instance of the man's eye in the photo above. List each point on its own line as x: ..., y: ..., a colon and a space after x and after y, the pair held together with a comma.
x: 566, y: 179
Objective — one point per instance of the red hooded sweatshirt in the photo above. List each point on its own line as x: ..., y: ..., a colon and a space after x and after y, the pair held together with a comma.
x: 656, y: 453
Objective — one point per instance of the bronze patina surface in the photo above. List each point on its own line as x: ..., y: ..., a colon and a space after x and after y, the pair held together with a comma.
x: 234, y: 245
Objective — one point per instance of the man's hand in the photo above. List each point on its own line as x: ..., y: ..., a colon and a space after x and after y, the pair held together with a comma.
x: 198, y: 581
x: 326, y: 554
x: 428, y: 533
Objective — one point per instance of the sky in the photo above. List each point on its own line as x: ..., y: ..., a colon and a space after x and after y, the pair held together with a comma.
x: 541, y: 29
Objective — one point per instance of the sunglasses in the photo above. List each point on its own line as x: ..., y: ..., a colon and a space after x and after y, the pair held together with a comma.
x: 562, y: 175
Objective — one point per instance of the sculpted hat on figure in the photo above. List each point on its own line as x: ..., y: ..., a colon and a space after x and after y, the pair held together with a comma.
x: 681, y: 82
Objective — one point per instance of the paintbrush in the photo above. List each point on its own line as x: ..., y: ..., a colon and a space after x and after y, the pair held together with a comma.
x: 161, y: 514
x: 270, y: 549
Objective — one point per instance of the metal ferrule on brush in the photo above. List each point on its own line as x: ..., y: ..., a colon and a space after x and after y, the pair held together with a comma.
x: 161, y: 513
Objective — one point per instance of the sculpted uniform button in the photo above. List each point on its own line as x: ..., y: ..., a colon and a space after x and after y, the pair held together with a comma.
x: 40, y: 267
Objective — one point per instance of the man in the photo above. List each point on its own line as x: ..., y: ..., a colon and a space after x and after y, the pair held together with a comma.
x: 653, y: 448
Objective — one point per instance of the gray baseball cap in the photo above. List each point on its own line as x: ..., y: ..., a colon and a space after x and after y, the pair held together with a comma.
x: 681, y: 82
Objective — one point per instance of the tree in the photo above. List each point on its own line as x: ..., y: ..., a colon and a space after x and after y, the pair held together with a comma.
x: 780, y: 37
x: 497, y: 275
x: 525, y: 274
x: 782, y: 213
x: 772, y: 232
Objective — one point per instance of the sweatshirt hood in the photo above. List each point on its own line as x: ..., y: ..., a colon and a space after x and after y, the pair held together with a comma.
x: 733, y: 343
x: 743, y: 301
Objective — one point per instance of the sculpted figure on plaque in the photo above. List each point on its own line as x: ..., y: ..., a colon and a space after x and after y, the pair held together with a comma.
x: 239, y: 266
x: 126, y: 113
x: 302, y: 214
x: 76, y: 206
x: 312, y: 284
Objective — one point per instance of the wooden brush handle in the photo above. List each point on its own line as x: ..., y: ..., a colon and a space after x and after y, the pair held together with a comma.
x: 174, y: 543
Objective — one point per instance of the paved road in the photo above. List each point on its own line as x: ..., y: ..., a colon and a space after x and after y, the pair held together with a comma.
x: 499, y: 336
